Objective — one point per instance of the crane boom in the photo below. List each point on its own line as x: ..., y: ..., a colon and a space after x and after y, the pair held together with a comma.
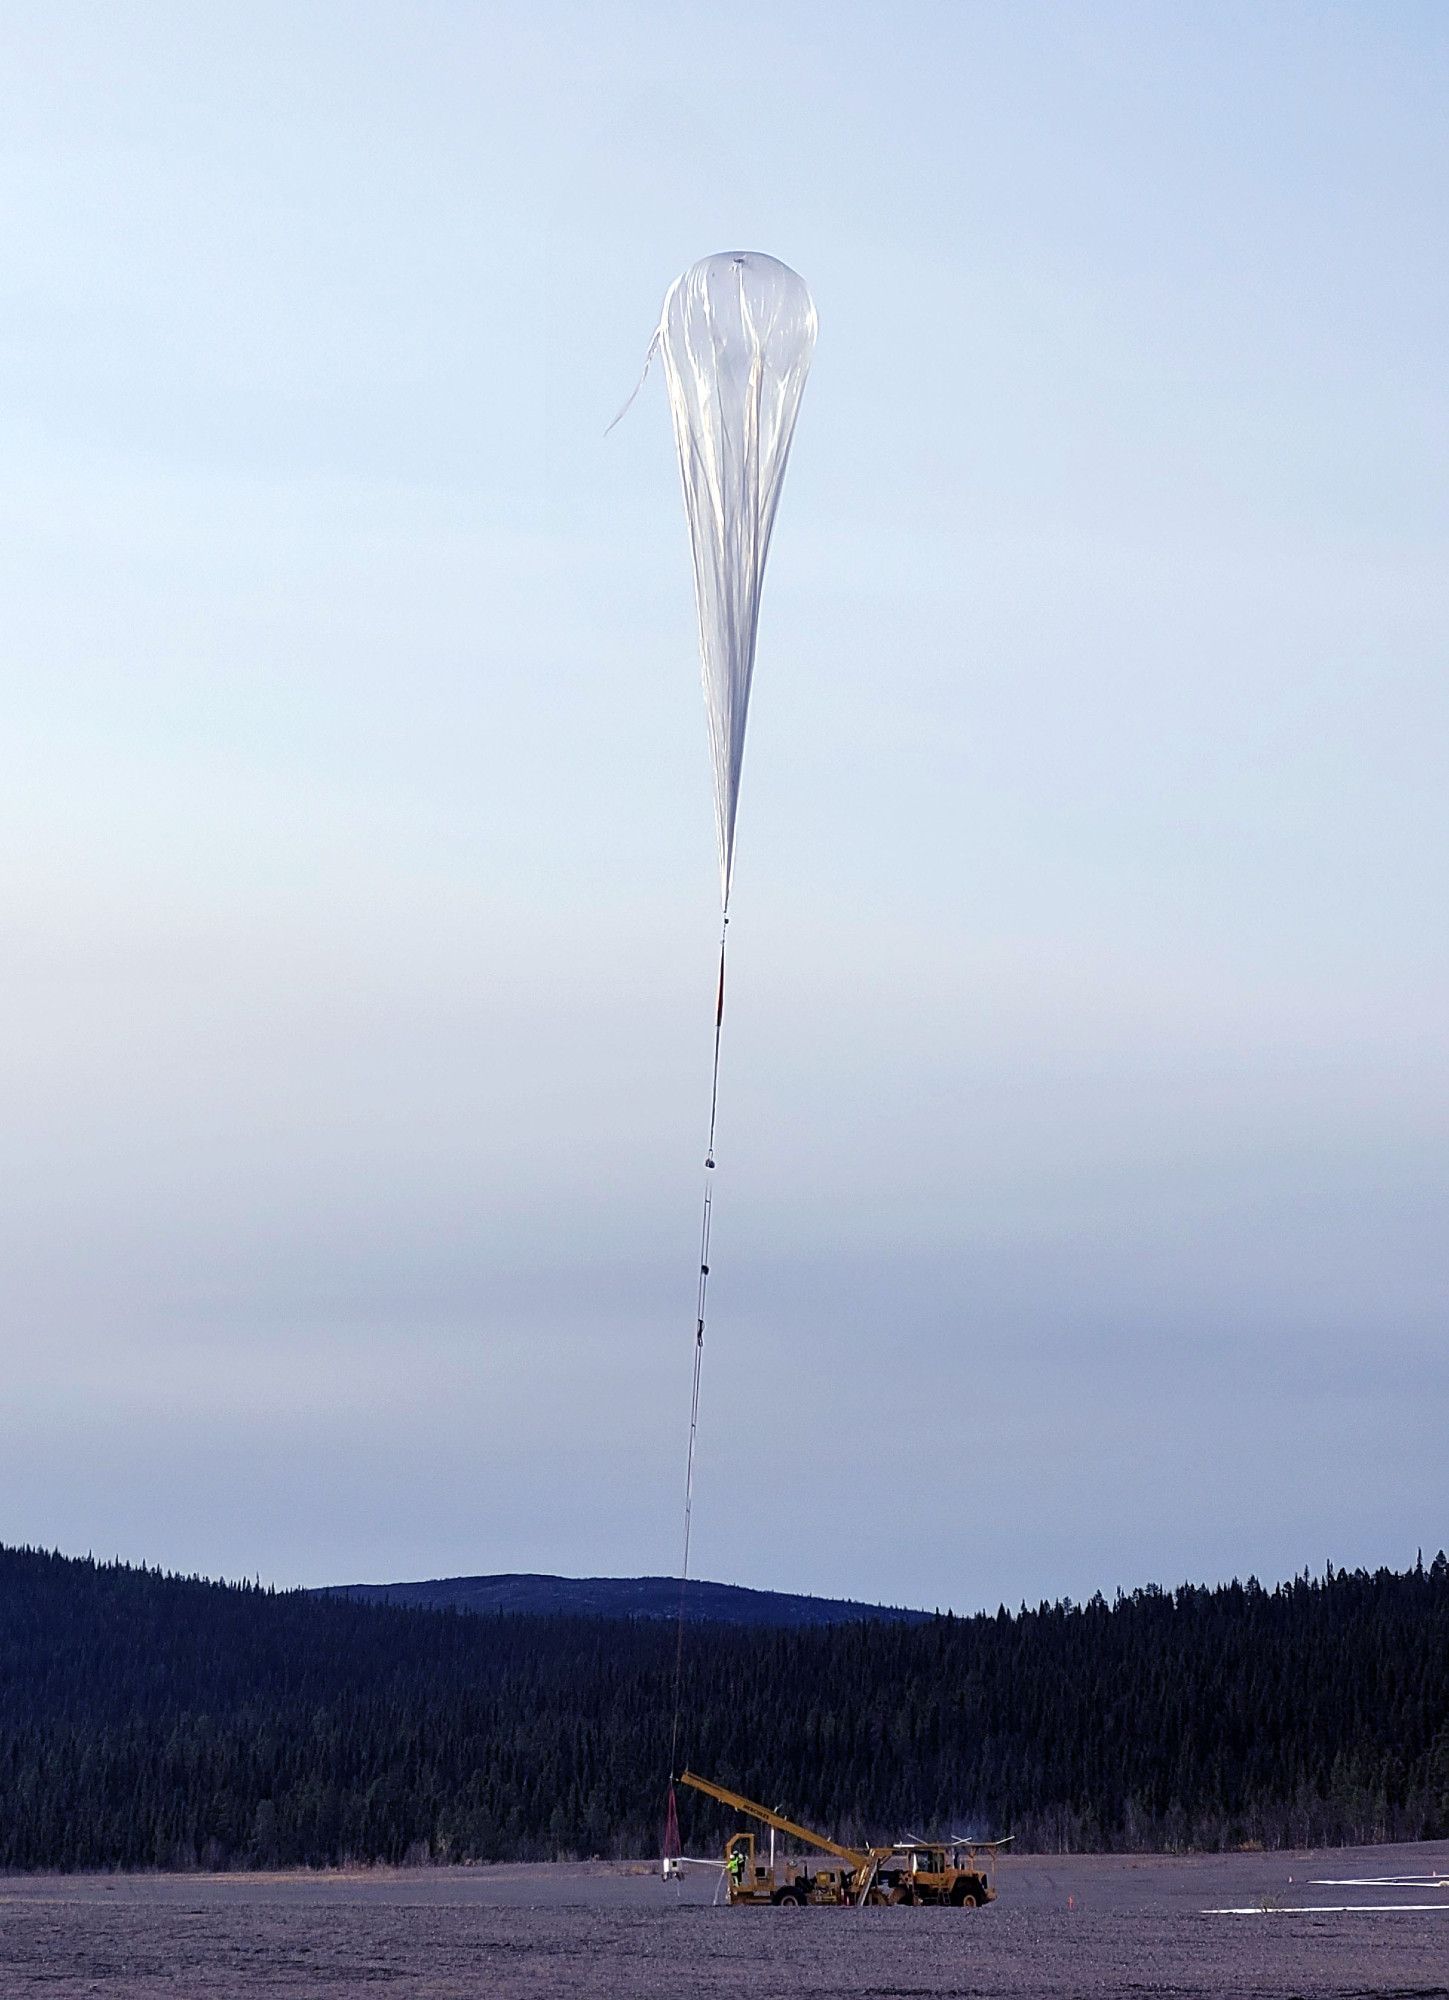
x: 858, y: 1858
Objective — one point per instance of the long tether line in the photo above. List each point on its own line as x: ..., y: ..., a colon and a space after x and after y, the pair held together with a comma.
x: 702, y: 1296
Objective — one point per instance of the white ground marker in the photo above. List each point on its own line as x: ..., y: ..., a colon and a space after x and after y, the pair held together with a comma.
x: 1324, y: 1909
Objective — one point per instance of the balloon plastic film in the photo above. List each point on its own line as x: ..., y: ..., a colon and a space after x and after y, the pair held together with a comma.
x: 737, y: 335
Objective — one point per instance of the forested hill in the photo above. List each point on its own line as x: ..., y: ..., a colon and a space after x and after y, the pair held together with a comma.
x: 620, y: 1597
x: 148, y: 1720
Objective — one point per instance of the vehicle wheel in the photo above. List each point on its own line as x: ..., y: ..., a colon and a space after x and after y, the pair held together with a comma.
x: 965, y: 1897
x: 787, y: 1899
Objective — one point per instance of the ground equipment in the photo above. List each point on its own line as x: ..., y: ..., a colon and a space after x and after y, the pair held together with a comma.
x: 960, y: 1874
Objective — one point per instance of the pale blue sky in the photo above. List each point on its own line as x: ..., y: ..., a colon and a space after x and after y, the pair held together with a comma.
x: 1086, y: 1096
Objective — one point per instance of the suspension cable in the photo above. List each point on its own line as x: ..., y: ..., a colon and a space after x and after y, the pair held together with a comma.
x: 700, y: 1302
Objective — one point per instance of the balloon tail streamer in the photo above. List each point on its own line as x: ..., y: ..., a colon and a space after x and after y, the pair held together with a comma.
x: 628, y: 402
x: 701, y: 1298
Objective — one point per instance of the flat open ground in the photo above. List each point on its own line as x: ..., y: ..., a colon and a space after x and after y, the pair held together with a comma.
x: 1086, y: 1925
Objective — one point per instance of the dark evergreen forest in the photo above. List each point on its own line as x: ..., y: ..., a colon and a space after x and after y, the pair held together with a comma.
x: 157, y: 1721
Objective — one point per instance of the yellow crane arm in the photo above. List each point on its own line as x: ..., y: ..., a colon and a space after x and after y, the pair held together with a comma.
x: 857, y: 1857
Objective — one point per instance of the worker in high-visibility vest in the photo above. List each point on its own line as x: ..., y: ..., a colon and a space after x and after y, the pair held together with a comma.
x: 737, y: 1866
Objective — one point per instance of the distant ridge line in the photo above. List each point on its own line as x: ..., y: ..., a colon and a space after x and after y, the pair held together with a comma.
x: 622, y: 1597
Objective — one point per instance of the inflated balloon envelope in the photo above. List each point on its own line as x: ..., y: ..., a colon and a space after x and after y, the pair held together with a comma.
x: 737, y: 333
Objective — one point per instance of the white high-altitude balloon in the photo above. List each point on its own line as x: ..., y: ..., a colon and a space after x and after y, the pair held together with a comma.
x: 737, y: 334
